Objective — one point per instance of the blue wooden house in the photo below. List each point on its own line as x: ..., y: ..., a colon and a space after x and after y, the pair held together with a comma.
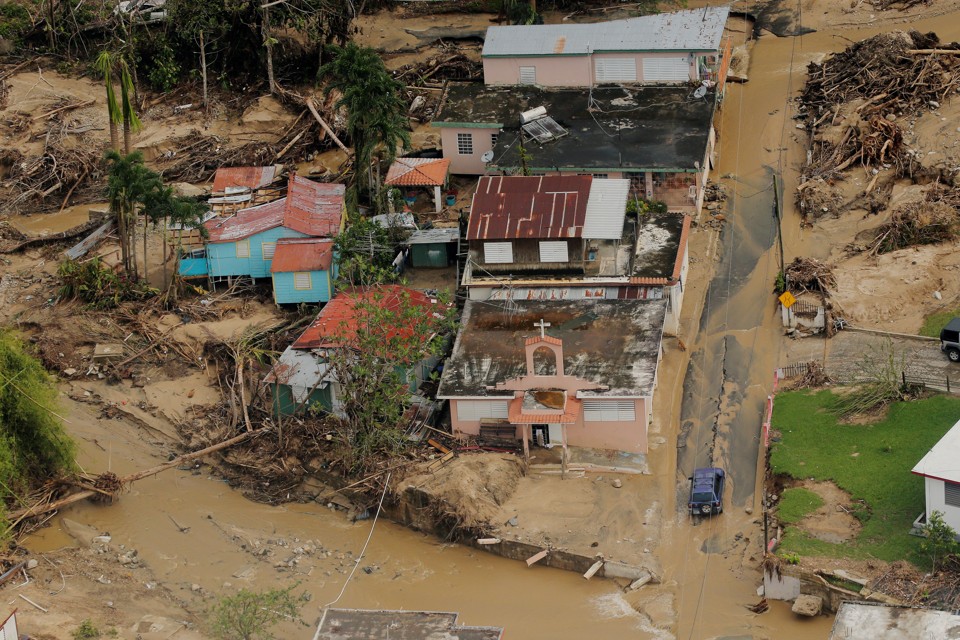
x: 244, y: 244
x: 304, y: 270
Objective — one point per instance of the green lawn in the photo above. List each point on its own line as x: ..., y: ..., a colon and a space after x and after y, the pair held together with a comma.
x: 797, y: 502
x: 872, y: 462
x: 933, y: 323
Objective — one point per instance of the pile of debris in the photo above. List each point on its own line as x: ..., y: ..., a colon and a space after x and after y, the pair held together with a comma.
x: 917, y: 224
x: 809, y: 274
x: 49, y: 180
x: 851, y: 104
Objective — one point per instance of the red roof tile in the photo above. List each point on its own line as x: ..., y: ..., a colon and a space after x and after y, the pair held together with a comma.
x: 571, y: 410
x: 249, y: 177
x: 507, y: 207
x: 312, y: 208
x: 302, y: 254
x: 339, y: 315
x: 415, y: 172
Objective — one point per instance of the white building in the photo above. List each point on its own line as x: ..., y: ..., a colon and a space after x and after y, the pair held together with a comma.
x: 940, y: 469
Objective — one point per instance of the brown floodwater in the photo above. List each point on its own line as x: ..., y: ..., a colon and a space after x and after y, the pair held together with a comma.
x: 44, y: 224
x: 709, y: 574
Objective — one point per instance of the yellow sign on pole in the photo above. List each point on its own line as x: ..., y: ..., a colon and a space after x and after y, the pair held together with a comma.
x: 787, y: 299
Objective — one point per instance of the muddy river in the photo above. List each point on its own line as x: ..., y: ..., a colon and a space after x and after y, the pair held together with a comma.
x: 198, y: 536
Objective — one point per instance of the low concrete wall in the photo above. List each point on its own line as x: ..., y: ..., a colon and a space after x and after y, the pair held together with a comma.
x: 416, y: 509
x: 794, y: 581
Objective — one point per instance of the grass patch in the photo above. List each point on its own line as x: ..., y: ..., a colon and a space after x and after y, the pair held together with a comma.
x: 933, y: 323
x: 796, y: 503
x: 872, y: 462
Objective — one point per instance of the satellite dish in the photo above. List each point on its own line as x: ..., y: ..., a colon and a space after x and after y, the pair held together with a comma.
x: 487, y: 157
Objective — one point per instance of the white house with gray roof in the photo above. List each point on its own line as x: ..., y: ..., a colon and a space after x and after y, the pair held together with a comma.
x: 665, y: 48
x: 940, y: 469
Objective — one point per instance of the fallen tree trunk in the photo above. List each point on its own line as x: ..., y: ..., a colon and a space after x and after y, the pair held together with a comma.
x: 36, y: 510
x: 326, y: 127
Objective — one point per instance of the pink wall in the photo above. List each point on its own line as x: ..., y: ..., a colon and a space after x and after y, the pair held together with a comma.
x: 567, y: 71
x: 466, y: 164
x: 618, y: 436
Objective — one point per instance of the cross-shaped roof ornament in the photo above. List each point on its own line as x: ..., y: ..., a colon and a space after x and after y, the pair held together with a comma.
x: 543, y: 325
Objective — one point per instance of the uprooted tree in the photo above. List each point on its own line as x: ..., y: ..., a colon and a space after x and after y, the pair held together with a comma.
x: 365, y: 252
x: 390, y: 338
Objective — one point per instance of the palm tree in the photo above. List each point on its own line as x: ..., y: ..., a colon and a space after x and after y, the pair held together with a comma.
x: 376, y: 114
x: 130, y: 185
x: 109, y: 63
x: 104, y: 64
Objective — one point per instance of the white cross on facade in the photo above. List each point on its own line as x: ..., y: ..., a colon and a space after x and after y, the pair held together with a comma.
x: 543, y: 325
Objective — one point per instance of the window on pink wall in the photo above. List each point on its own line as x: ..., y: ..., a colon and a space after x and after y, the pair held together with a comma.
x: 465, y: 144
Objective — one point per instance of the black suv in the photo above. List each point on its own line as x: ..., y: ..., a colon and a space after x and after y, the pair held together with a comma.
x: 706, y: 491
x: 950, y: 340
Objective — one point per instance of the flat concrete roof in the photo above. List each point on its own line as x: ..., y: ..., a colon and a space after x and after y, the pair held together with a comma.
x: 359, y: 624
x: 658, y: 246
x: 858, y: 621
x: 615, y: 343
x: 628, y: 129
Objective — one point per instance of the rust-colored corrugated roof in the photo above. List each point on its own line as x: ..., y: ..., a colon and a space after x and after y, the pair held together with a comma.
x: 312, y: 208
x: 337, y: 321
x: 249, y: 177
x: 508, y: 207
x: 418, y: 172
x: 302, y: 254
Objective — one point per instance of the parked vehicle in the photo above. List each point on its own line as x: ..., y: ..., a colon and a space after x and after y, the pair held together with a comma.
x: 950, y: 340
x: 706, y: 491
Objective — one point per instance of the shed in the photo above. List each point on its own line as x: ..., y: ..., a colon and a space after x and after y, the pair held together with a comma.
x: 433, y: 247
x: 420, y: 172
x: 303, y: 270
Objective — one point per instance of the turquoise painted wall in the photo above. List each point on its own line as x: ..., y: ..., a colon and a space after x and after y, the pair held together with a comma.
x: 285, y: 293
x: 192, y: 267
x: 223, y: 260
x: 284, y: 404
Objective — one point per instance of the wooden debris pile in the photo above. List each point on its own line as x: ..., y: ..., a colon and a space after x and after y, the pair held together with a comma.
x: 899, y: 5
x: 48, y: 181
x: 814, y: 377
x: 810, y: 274
x: 915, y: 224
x: 852, y: 103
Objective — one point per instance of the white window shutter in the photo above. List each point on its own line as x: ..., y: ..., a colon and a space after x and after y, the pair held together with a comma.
x: 243, y: 248
x: 528, y: 75
x: 616, y: 70
x: 554, y: 251
x: 473, y: 410
x: 301, y: 280
x: 268, y: 248
x: 498, y: 252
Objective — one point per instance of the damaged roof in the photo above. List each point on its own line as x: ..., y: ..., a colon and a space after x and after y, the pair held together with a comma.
x: 627, y: 128
x: 243, y: 178
x: 529, y: 207
x: 692, y: 30
x: 338, y: 320
x: 418, y: 172
x: 615, y: 343
x: 358, y: 624
x: 312, y: 208
x: 302, y: 254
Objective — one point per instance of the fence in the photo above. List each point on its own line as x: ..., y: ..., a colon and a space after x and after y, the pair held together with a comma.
x: 929, y: 381
x: 849, y: 375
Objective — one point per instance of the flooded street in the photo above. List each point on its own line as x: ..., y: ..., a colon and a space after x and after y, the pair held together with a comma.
x: 200, y: 539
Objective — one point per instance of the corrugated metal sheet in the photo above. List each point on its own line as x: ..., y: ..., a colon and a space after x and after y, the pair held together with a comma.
x: 302, y: 371
x: 302, y: 254
x: 529, y: 207
x: 414, y: 172
x: 338, y: 319
x: 311, y: 208
x: 432, y: 236
x: 606, y: 209
x: 245, y: 177
x: 692, y: 30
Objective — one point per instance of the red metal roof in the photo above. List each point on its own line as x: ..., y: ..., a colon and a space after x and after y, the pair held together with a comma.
x: 418, y: 172
x: 337, y: 321
x: 249, y: 177
x: 302, y: 254
x: 312, y: 208
x: 506, y: 207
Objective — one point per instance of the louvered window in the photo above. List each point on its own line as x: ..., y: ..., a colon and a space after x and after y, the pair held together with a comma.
x: 243, y: 248
x: 601, y: 410
x: 951, y: 494
x: 554, y: 251
x: 498, y: 252
x: 301, y: 280
x: 473, y: 410
x: 268, y: 249
x: 616, y: 70
x: 528, y: 75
